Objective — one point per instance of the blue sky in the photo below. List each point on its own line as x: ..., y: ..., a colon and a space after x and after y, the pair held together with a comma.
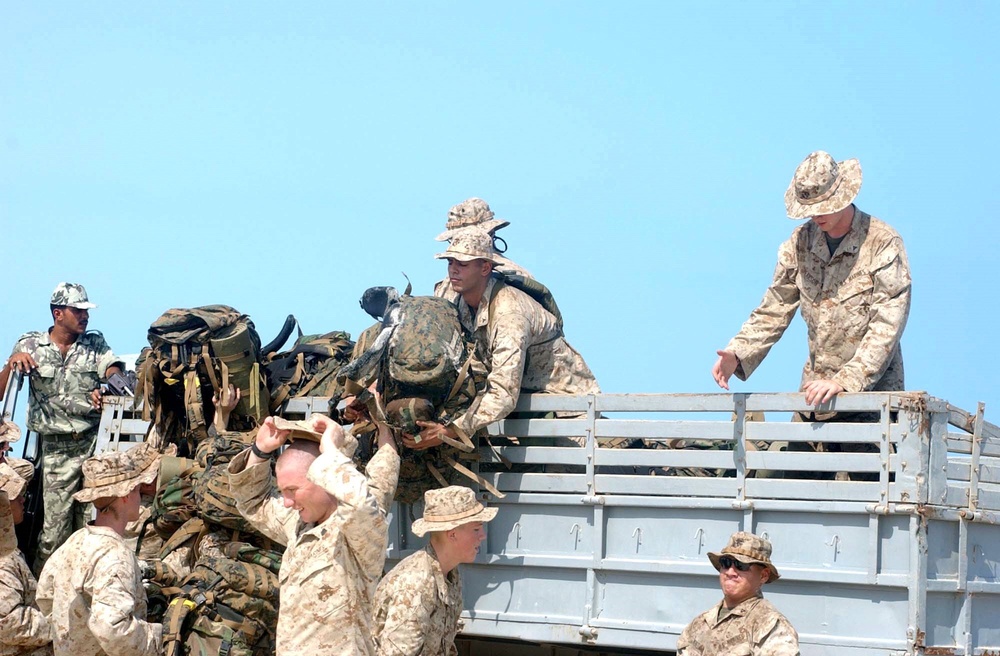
x: 281, y: 158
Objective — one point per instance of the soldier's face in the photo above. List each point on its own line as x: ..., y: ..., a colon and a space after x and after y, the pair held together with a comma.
x: 313, y: 503
x: 739, y: 586
x: 468, y: 277
x: 837, y: 224
x: 467, y: 539
x: 17, y: 509
x: 133, y: 504
x: 73, y: 320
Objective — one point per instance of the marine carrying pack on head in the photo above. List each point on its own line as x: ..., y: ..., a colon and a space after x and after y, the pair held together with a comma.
x: 193, y: 354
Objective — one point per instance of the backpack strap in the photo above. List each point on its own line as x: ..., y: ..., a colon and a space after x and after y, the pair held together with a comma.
x: 465, y: 471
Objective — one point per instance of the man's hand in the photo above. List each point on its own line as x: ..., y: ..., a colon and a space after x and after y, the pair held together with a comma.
x: 821, y: 391
x: 724, y: 367
x: 224, y: 406
x: 22, y: 362
x: 333, y: 433
x: 268, y: 440
x: 96, y: 399
x: 430, y: 436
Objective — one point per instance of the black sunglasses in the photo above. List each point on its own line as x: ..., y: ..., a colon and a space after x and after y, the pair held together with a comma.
x: 728, y: 561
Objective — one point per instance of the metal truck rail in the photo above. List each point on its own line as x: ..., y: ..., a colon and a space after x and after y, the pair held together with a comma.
x: 607, y: 546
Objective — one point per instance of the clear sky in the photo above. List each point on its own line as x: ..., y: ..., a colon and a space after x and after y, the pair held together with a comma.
x: 282, y: 157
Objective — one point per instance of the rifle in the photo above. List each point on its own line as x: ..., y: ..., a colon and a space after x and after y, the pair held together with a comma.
x: 121, y: 384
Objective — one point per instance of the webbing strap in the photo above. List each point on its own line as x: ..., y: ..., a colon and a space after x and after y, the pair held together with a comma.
x: 462, y: 469
x: 211, y: 372
x: 463, y: 373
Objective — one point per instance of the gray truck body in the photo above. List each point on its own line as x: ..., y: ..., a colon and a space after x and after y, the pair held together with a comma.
x: 614, y: 554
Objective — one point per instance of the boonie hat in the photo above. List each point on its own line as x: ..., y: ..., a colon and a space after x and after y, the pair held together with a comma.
x: 472, y: 212
x: 71, y: 295
x: 747, y: 548
x: 470, y: 244
x: 449, y: 508
x: 822, y: 185
x: 12, y: 481
x: 9, y: 432
x: 302, y: 429
x: 116, y: 473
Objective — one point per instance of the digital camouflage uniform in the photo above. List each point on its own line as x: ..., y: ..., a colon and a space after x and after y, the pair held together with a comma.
x: 854, y: 303
x: 520, y: 346
x: 329, y: 571
x: 417, y: 608
x: 753, y: 628
x: 91, y: 589
x: 24, y: 629
x: 59, y: 410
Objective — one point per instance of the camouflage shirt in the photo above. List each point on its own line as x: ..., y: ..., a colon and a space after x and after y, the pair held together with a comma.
x: 91, y: 590
x: 519, y: 344
x: 329, y: 571
x: 60, y: 387
x: 442, y: 289
x: 855, y: 304
x: 753, y: 628
x: 23, y: 627
x: 417, y: 608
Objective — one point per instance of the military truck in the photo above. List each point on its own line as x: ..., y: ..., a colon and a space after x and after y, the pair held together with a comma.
x: 891, y: 549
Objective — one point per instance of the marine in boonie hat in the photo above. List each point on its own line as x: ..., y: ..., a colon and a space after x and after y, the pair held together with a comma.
x: 471, y: 212
x: 470, y: 244
x: 13, y: 479
x: 747, y: 548
x: 449, y: 508
x: 71, y: 294
x: 116, y: 473
x: 821, y: 185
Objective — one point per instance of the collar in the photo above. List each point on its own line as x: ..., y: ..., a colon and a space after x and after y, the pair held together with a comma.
x: 851, y: 243
x: 742, y: 608
x: 444, y: 582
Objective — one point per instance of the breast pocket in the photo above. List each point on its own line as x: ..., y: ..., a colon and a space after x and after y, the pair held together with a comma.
x: 856, y: 295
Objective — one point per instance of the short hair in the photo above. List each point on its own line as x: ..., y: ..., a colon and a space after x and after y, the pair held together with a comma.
x: 304, y: 451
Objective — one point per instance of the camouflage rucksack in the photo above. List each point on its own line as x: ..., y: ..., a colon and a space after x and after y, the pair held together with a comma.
x: 536, y: 290
x: 193, y: 354
x: 309, y: 368
x: 225, y: 607
x: 174, y: 503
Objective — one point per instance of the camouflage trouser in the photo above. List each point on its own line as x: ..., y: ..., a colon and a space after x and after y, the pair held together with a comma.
x: 62, y: 475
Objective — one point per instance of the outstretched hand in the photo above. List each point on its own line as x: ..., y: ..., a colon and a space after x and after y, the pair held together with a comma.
x: 724, y: 367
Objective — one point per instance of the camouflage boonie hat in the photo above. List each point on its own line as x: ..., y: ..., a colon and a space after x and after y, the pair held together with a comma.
x: 9, y: 432
x: 449, y: 508
x: 302, y: 429
x: 116, y: 473
x: 470, y: 244
x: 822, y: 186
x: 747, y: 548
x: 11, y: 480
x: 472, y: 212
x: 71, y: 295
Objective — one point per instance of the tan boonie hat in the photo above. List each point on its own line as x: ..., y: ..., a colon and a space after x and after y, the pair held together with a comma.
x: 472, y: 212
x: 71, y: 295
x: 116, y: 473
x: 470, y: 244
x: 11, y: 481
x: 302, y: 429
x: 747, y: 548
x: 822, y: 186
x: 9, y: 432
x: 450, y: 508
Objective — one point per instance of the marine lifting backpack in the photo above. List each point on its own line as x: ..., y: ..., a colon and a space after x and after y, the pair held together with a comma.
x: 193, y: 354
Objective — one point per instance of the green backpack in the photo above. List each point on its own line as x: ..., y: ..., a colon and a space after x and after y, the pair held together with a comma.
x: 536, y: 290
x: 174, y: 503
x: 225, y: 607
x: 194, y: 353
x: 309, y: 368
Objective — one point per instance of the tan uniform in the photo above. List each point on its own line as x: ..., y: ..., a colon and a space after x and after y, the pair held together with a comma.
x: 329, y: 571
x: 521, y: 348
x: 91, y: 589
x: 753, y: 628
x: 855, y: 305
x: 417, y: 608
x: 23, y: 627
